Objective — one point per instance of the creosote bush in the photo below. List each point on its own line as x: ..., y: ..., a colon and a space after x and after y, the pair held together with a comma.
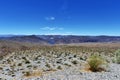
x: 97, y: 63
x: 117, y: 56
x: 74, y: 62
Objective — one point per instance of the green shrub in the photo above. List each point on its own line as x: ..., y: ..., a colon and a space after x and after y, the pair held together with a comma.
x: 97, y: 63
x: 117, y: 56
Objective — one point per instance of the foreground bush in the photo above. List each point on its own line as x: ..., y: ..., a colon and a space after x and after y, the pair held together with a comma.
x: 117, y: 56
x: 96, y: 63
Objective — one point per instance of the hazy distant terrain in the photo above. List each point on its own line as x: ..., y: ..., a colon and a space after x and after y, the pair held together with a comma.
x: 10, y: 43
x: 60, y: 39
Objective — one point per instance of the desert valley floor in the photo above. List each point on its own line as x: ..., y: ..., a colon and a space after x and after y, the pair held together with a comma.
x: 60, y: 62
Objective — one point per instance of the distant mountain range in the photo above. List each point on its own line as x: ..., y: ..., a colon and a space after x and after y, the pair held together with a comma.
x: 59, y: 39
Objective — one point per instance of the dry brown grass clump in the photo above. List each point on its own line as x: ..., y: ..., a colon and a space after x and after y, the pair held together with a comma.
x: 33, y: 73
x: 97, y: 63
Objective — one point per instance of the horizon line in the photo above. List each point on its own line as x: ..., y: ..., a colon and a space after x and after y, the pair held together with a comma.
x: 55, y: 35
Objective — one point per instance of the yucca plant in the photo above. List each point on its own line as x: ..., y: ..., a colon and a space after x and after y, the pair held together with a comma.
x: 96, y: 63
x: 117, y: 56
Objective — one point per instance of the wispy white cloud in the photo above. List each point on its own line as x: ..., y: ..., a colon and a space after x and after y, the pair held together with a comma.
x: 58, y: 33
x: 52, y: 28
x: 51, y: 18
x: 48, y: 28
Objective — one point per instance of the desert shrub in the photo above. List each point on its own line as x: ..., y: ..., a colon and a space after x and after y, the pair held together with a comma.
x: 19, y: 64
x: 117, y: 56
x: 29, y: 66
x: 59, y: 61
x: 75, y: 62
x: 59, y: 67
x: 38, y: 62
x: 75, y: 56
x: 66, y: 64
x: 97, y: 63
x: 113, y: 60
x: 24, y: 58
x: 81, y: 58
x: 47, y: 65
x: 27, y: 62
x: 27, y: 73
x: 1, y: 68
x: 34, y: 67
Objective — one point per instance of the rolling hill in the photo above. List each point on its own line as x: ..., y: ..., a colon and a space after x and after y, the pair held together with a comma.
x: 60, y: 39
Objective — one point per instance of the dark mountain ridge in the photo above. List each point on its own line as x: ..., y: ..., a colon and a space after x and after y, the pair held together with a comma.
x: 61, y: 39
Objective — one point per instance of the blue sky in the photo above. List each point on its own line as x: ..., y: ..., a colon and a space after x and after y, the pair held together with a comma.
x: 76, y: 17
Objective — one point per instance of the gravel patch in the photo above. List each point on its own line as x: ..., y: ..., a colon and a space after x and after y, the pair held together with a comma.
x: 52, y: 67
x: 76, y: 74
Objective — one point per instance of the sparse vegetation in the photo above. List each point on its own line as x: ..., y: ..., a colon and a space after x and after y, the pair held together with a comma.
x: 75, y: 62
x: 59, y: 67
x: 53, y: 58
x: 27, y: 62
x: 20, y: 64
x: 48, y: 65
